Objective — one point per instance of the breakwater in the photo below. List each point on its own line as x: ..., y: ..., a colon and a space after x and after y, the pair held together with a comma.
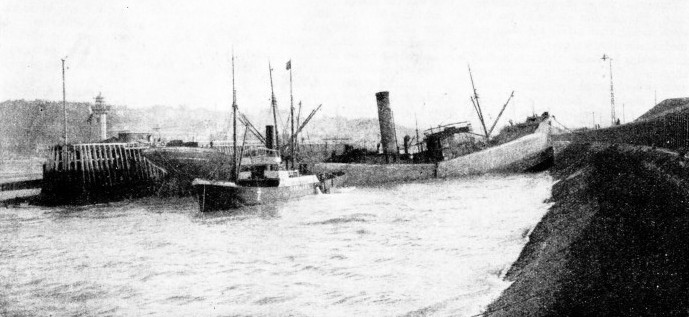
x: 614, y: 241
x: 670, y: 131
x: 372, y: 174
x: 97, y: 172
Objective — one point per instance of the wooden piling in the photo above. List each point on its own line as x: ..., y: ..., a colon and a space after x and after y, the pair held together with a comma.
x: 98, y: 171
x: 108, y: 165
x: 125, y: 164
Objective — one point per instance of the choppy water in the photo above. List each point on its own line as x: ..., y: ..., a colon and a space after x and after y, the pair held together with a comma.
x: 436, y: 247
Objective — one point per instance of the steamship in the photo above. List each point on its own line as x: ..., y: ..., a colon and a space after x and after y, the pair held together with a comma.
x: 257, y: 176
x: 260, y: 180
x: 444, y: 142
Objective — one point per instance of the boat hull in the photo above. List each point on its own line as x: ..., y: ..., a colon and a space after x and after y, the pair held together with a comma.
x: 215, y: 196
x: 185, y: 164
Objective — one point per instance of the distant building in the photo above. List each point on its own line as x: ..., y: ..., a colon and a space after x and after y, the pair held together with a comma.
x: 100, y: 112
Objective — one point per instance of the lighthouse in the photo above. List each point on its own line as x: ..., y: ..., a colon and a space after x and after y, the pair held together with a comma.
x: 100, y: 111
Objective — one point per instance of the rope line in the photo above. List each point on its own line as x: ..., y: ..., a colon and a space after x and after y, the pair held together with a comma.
x: 562, y: 125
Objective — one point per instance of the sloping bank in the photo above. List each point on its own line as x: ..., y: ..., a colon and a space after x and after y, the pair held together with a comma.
x: 614, y: 243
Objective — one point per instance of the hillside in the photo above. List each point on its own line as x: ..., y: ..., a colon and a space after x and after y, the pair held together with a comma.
x: 362, y: 132
x: 26, y: 127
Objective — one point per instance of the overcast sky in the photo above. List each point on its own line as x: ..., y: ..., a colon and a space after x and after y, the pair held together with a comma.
x: 143, y: 53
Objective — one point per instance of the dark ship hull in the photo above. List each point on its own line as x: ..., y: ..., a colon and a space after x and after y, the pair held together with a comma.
x: 184, y: 164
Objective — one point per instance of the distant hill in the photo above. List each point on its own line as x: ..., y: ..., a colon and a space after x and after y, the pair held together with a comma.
x: 26, y: 126
x: 29, y: 126
x: 362, y: 132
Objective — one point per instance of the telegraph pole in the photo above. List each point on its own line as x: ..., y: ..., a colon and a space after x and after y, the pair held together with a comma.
x: 623, y: 118
x: 612, y: 92
x: 64, y: 104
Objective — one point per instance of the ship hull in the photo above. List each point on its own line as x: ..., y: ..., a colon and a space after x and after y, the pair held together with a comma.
x: 185, y: 164
x: 216, y: 196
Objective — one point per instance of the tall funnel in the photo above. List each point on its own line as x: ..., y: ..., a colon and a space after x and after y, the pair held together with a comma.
x: 387, y: 127
x: 269, y: 137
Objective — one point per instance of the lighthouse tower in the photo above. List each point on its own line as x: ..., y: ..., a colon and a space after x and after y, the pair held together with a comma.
x: 100, y: 110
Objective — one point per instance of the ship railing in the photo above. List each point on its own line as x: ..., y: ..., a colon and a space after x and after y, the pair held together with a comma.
x: 260, y: 152
x: 461, y: 124
x: 247, y: 149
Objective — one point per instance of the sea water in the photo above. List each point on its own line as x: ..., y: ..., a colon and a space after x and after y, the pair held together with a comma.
x: 432, y: 248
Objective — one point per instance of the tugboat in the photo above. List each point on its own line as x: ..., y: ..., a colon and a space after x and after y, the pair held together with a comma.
x: 257, y: 176
x: 259, y: 180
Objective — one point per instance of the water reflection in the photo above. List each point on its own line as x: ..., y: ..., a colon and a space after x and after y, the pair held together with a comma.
x: 268, y: 211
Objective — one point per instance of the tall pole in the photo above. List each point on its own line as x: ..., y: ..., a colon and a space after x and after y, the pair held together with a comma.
x: 234, y: 123
x: 64, y: 105
x: 623, y: 118
x: 612, y: 92
x: 291, y: 102
x: 593, y: 115
x: 274, y: 104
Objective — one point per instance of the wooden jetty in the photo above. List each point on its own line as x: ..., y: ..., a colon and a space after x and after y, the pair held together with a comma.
x: 85, y: 173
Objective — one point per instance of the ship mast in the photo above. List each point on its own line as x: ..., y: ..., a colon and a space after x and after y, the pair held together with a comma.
x: 234, y: 123
x: 477, y: 106
x: 500, y: 114
x: 64, y: 104
x: 274, y: 105
x: 418, y: 140
x: 291, y: 102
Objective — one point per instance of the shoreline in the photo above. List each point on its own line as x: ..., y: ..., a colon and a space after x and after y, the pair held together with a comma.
x: 614, y: 241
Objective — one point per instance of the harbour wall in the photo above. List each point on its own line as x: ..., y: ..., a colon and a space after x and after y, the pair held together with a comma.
x: 614, y: 241
x: 86, y: 173
x: 372, y: 174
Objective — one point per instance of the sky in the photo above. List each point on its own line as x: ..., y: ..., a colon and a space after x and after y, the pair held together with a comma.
x: 145, y: 53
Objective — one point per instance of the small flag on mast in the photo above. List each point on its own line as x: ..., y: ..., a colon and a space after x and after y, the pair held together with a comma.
x: 289, y: 65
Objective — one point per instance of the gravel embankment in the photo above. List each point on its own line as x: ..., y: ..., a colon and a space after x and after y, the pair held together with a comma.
x: 614, y: 243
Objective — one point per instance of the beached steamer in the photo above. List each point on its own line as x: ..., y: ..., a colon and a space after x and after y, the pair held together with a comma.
x: 259, y: 181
